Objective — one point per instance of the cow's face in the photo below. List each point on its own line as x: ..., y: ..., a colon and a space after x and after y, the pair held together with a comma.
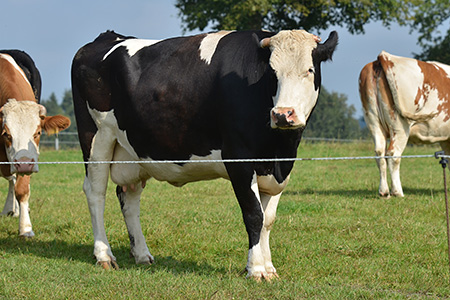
x: 295, y: 58
x: 22, y: 125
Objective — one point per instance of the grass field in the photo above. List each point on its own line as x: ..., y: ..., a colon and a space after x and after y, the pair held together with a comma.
x: 334, y: 238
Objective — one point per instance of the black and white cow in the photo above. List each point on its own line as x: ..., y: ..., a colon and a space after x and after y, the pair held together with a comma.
x: 223, y: 95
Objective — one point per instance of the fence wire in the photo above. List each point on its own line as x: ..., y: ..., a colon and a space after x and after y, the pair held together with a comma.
x: 245, y: 160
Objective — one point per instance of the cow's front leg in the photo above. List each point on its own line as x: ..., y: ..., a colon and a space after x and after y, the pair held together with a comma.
x: 269, y: 204
x: 245, y: 187
x: 130, y: 205
x: 22, y: 191
x: 11, y: 207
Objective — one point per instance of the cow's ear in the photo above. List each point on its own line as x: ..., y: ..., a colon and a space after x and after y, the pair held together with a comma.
x: 264, y: 43
x: 55, y: 124
x: 325, y: 51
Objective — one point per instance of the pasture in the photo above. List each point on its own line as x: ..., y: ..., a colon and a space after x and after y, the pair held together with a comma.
x: 334, y: 238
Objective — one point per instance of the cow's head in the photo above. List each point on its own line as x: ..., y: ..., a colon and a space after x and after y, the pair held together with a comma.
x: 22, y: 125
x: 295, y: 57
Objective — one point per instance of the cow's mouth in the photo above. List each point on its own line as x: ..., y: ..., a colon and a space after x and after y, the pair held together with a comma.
x: 24, y: 166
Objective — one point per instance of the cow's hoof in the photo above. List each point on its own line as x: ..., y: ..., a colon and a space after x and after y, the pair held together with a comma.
x: 384, y: 195
x: 399, y: 195
x: 10, y: 214
x: 108, y: 265
x: 27, y: 235
x: 271, y: 276
x: 147, y: 261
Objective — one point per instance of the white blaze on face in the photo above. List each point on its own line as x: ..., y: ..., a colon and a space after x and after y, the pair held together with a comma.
x: 209, y: 44
x: 21, y: 127
x: 292, y: 62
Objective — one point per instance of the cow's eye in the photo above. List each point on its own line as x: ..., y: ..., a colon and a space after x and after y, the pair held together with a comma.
x: 37, y: 134
x: 6, y: 135
x: 312, y: 70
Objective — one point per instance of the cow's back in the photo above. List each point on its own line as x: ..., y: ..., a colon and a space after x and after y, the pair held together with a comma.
x: 28, y: 66
x: 13, y: 81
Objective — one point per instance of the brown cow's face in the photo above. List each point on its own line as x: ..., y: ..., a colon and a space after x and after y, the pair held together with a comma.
x: 21, y: 131
x: 22, y: 125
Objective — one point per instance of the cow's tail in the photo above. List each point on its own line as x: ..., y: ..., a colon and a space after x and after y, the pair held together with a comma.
x: 386, y: 64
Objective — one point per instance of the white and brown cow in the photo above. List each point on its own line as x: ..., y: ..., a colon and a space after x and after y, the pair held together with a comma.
x: 404, y: 99
x: 22, y: 121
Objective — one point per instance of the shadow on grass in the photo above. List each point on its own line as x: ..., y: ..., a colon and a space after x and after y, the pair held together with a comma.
x: 359, y: 193
x: 61, y: 250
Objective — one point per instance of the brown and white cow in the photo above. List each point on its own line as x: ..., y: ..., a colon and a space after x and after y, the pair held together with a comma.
x: 22, y: 121
x: 404, y: 99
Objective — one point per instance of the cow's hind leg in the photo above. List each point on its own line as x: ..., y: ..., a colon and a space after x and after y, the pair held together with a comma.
x: 398, y: 142
x: 269, y: 204
x: 130, y: 205
x: 22, y: 190
x: 95, y: 185
x: 11, y: 207
x: 380, y: 150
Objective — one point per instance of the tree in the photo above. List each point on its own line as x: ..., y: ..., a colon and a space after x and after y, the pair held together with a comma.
x: 439, y: 51
x: 423, y: 16
x: 333, y: 118
x: 287, y: 14
x: 67, y: 107
x: 52, y: 106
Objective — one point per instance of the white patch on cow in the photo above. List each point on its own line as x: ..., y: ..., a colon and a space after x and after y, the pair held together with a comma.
x: 407, y: 77
x: 267, y: 184
x: 22, y: 120
x: 255, y: 262
x: 209, y: 44
x: 14, y: 64
x: 292, y: 61
x: 175, y: 174
x: 132, y: 45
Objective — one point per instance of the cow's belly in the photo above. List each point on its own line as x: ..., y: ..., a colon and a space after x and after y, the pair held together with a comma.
x: 179, y: 175
x: 132, y: 173
x: 433, y: 131
x: 175, y: 174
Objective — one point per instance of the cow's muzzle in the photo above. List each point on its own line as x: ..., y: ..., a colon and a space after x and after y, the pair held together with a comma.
x: 25, y: 166
x: 284, y: 118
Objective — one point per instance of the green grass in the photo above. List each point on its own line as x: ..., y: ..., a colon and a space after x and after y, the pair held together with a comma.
x: 334, y: 238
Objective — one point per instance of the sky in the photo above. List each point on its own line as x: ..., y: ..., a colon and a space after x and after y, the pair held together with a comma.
x: 52, y: 31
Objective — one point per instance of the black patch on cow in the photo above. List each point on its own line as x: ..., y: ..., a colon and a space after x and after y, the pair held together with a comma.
x: 121, y: 196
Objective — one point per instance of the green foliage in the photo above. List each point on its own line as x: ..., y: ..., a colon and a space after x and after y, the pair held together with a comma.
x: 287, y: 14
x: 423, y: 16
x: 437, y: 52
x: 333, y: 118
x: 52, y: 106
x: 65, y: 108
x: 334, y: 238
